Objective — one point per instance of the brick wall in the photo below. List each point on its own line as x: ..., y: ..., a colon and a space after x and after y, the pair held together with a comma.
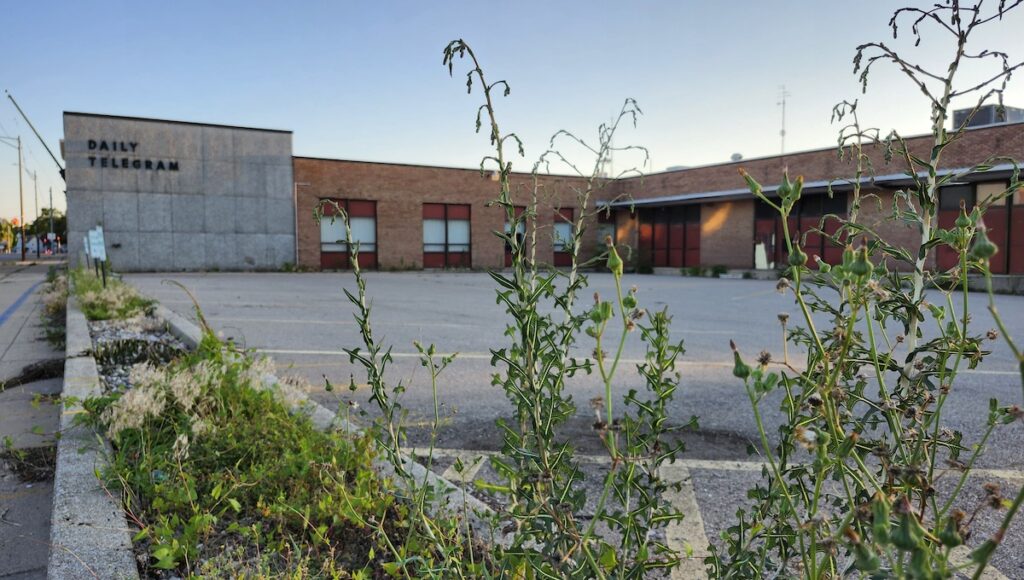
x: 400, y: 192
x: 974, y: 146
x: 727, y: 227
x: 727, y: 234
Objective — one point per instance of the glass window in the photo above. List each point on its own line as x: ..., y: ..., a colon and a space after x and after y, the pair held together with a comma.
x: 433, y: 235
x: 563, y: 236
x: 458, y: 235
x: 987, y: 191
x: 951, y: 195
x: 332, y: 235
x: 364, y: 231
x: 446, y: 235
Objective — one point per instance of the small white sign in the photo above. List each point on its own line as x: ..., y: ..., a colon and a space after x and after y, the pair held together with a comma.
x: 97, y: 249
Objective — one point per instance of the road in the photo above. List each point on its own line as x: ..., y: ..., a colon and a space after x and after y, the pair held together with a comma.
x: 304, y: 320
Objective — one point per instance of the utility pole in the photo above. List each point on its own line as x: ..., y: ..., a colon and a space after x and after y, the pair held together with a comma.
x: 783, y: 93
x: 35, y: 223
x: 21, y: 201
x: 51, y: 209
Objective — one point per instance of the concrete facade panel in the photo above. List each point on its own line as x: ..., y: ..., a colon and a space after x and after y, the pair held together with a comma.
x: 189, y: 251
x: 219, y: 178
x: 122, y: 250
x: 250, y: 215
x: 251, y: 179
x: 155, y: 212
x: 220, y: 214
x: 188, y: 213
x: 156, y: 251
x: 85, y: 211
x: 177, y: 183
x: 221, y: 251
x: 121, y: 212
x: 280, y: 216
x: 254, y: 251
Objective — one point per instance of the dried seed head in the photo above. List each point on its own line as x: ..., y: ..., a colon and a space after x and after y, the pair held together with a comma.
x: 993, y: 495
x: 814, y: 400
x: 783, y: 318
x: 764, y: 357
x: 807, y: 438
x: 782, y: 285
x: 992, y: 334
x: 900, y: 338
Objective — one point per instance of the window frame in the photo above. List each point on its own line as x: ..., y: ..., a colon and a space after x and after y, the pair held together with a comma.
x: 446, y: 209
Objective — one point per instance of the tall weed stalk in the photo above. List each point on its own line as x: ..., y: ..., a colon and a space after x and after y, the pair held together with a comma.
x: 852, y: 484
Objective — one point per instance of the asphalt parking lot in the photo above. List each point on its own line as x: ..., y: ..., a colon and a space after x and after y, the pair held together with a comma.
x: 304, y: 321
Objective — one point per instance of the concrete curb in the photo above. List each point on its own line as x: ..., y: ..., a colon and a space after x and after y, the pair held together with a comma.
x: 450, y: 496
x: 89, y: 535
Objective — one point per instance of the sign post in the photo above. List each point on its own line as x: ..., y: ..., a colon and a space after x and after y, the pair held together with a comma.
x: 98, y: 251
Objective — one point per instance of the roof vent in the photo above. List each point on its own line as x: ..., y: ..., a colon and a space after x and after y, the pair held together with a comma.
x: 988, y: 115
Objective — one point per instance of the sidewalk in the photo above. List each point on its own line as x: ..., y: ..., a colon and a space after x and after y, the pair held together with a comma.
x: 28, y: 420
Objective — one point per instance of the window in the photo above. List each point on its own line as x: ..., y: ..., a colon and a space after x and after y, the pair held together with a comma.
x: 951, y: 196
x: 446, y: 235
x: 562, y: 236
x: 362, y: 218
x: 520, y: 232
x: 989, y: 190
x: 605, y: 228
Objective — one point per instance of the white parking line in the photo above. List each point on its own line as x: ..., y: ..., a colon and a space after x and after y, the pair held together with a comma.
x: 487, y: 356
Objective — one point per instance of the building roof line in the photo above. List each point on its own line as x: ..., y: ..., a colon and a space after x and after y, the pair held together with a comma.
x: 426, y: 166
x: 801, y: 152
x: 172, y: 121
x: 817, y: 186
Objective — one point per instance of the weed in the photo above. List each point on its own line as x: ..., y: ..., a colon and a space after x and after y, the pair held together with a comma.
x: 116, y: 300
x: 852, y: 483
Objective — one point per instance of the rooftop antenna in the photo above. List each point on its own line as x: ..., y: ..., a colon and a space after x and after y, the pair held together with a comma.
x: 783, y: 93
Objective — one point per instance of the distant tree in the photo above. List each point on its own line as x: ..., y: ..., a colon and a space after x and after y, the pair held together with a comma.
x: 41, y: 226
x: 6, y: 234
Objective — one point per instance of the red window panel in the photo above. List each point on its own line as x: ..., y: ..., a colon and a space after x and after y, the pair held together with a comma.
x: 459, y: 260
x: 433, y: 211
x: 342, y: 260
x: 564, y: 214
x: 997, y: 220
x: 358, y: 208
x: 458, y: 212
x: 646, y: 235
x: 831, y: 253
x: 676, y: 257
x: 660, y: 258
x: 433, y: 259
x: 329, y: 206
x: 812, y: 240
x: 660, y: 235
x: 1015, y: 246
x: 945, y: 256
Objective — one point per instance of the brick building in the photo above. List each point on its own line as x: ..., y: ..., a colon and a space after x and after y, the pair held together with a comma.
x: 706, y: 216
x: 237, y: 199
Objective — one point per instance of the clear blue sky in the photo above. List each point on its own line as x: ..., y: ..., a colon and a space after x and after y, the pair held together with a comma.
x: 362, y: 80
